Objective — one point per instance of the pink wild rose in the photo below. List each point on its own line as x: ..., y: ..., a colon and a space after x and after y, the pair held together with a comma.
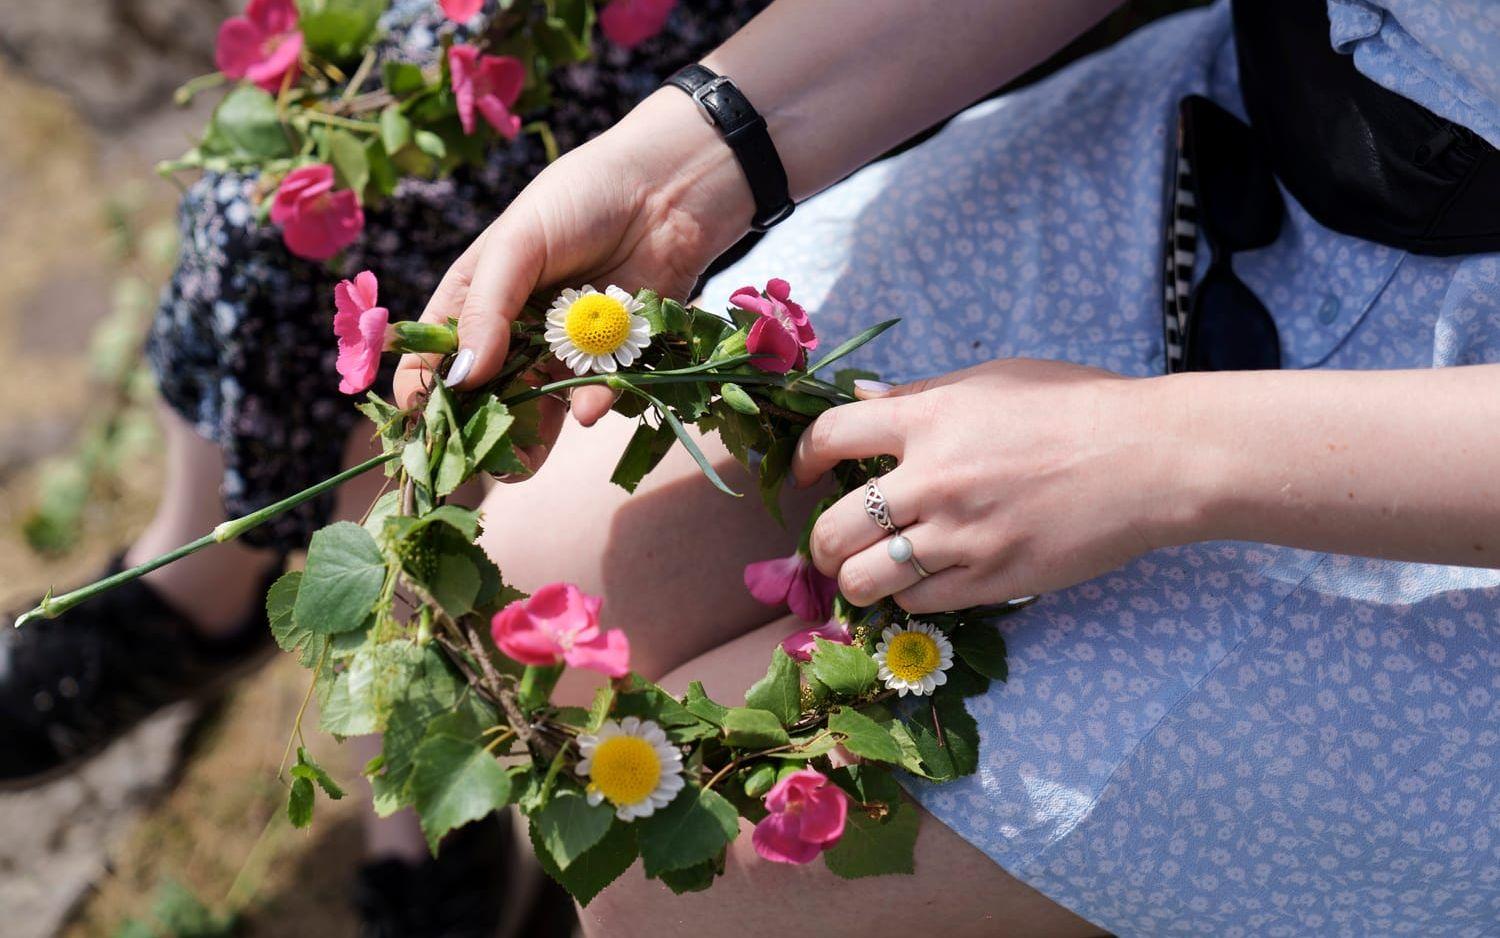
x: 795, y: 581
x: 461, y: 11
x: 261, y: 46
x: 489, y: 84
x: 560, y: 623
x: 783, y: 334
x: 628, y: 23
x: 807, y: 817
x: 360, y: 326
x: 801, y: 645
x: 316, y: 222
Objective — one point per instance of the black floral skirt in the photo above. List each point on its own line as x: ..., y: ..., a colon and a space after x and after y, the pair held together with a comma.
x: 242, y: 344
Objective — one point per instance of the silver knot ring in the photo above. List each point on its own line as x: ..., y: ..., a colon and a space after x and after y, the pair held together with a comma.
x: 900, y: 550
x: 878, y: 508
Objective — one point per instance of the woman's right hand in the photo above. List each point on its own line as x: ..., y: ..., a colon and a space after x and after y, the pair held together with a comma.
x: 649, y: 203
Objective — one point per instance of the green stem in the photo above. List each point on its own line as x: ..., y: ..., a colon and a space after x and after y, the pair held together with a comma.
x: 53, y: 606
x: 640, y: 380
x: 369, y: 127
x: 536, y: 684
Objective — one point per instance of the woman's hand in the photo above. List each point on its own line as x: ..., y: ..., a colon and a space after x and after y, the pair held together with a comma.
x: 649, y: 203
x: 1015, y: 478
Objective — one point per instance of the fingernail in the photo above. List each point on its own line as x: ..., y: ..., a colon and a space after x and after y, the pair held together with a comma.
x: 463, y: 363
x: 871, y: 387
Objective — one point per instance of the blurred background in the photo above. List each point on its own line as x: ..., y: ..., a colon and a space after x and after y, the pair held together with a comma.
x: 179, y: 829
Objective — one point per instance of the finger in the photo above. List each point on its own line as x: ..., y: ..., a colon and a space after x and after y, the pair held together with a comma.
x: 414, y: 374
x: 872, y: 575
x: 954, y: 588
x: 591, y: 402
x: 851, y: 431
x: 508, y: 271
x: 551, y: 413
x: 846, y: 528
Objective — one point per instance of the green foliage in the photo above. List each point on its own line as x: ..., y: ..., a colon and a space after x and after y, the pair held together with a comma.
x: 750, y: 728
x: 342, y: 581
x: 843, y: 669
x: 956, y: 752
x: 350, y: 163
x: 981, y: 646
x: 863, y: 736
x: 290, y: 636
x: 177, y: 913
x: 305, y: 774
x: 569, y: 826
x: 599, y: 866
x: 880, y: 833
x: 245, y: 127
x: 780, y: 691
x: 647, y: 446
x: 455, y: 781
x: 339, y: 30
x: 694, y: 828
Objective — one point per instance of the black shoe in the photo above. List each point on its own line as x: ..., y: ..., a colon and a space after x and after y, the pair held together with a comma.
x: 72, y: 685
x: 467, y: 891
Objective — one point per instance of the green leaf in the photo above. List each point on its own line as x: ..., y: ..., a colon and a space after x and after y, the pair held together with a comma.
x: 874, y: 845
x: 650, y: 309
x: 395, y: 129
x: 863, y: 736
x: 773, y: 470
x: 310, y: 770
x: 699, y: 704
x: 604, y: 698
x: 402, y: 79
x: 689, y: 444
x: 843, y: 669
x: 692, y: 829
x: 454, y: 781
x: 957, y: 754
x: 844, y: 348
x: 563, y: 35
x: 695, y: 878
x: 284, y: 628
x: 339, y: 30
x: 749, y: 728
x: 780, y: 691
x: 245, y: 125
x: 414, y: 460
x: 383, y: 175
x: 569, y: 826
x: 760, y: 780
x: 982, y: 647
x: 349, y: 160
x: 587, y: 876
x: 431, y: 144
x: 299, y: 804
x: 487, y: 429
x: 342, y: 581
x: 647, y: 446
x: 453, y: 468
x: 456, y: 584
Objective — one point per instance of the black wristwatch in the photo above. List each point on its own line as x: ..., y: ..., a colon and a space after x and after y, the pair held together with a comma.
x: 726, y: 107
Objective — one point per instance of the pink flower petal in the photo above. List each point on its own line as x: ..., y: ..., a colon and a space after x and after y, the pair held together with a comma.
x: 609, y: 654
x: 628, y: 23
x: 801, y: 645
x: 769, y: 581
x: 777, y: 348
x: 776, y: 839
x: 272, y: 16
x: 823, y: 815
x: 461, y: 11
x: 461, y: 63
x: 811, y: 594
x: 499, y: 117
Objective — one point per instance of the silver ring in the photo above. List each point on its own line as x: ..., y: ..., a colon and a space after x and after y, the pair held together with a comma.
x: 878, y: 508
x: 900, y: 550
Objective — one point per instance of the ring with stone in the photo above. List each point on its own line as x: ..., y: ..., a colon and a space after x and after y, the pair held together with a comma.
x: 900, y: 550
x: 878, y: 508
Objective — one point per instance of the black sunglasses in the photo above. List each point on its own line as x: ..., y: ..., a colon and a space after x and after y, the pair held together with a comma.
x: 1222, y: 186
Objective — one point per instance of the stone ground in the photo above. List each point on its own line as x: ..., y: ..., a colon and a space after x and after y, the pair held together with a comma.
x: 85, y: 113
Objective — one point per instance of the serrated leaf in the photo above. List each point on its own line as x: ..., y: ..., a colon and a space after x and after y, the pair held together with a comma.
x: 290, y: 636
x: 568, y: 827
x: 863, y: 736
x: 692, y: 829
x: 749, y: 728
x: 647, y: 446
x: 875, y: 847
x: 694, y: 878
x: 700, y: 705
x: 342, y: 580
x: 780, y: 691
x: 957, y: 753
x: 453, y: 782
x: 587, y: 876
x: 299, y: 803
x: 982, y: 647
x: 310, y: 770
x: 486, y: 430
x: 843, y: 669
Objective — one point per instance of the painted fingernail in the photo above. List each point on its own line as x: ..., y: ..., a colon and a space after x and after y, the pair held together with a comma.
x: 463, y: 363
x: 871, y: 387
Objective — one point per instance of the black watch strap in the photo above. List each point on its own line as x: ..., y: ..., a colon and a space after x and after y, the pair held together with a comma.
x: 726, y: 107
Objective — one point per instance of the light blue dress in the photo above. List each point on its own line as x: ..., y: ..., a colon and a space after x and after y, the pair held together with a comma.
x: 1224, y: 738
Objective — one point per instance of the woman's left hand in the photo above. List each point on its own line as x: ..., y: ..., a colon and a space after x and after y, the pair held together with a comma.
x: 1015, y: 478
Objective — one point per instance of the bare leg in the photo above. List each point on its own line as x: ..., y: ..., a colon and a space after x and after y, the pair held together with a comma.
x: 669, y: 563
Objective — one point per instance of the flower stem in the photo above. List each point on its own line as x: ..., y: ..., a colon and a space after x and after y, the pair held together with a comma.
x: 53, y: 606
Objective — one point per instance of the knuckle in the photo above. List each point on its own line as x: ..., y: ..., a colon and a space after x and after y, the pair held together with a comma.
x: 824, y: 544
x: 857, y: 584
x: 822, y: 434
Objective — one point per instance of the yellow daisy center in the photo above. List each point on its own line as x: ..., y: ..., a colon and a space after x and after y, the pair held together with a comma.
x: 912, y: 656
x: 626, y: 769
x: 597, y: 324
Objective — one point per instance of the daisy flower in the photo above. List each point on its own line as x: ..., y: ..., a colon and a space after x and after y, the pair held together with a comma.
x: 915, y: 659
x: 632, y: 764
x: 598, y: 332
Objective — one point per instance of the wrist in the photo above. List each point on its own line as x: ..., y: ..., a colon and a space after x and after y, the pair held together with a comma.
x: 1192, y: 473
x: 687, y: 171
